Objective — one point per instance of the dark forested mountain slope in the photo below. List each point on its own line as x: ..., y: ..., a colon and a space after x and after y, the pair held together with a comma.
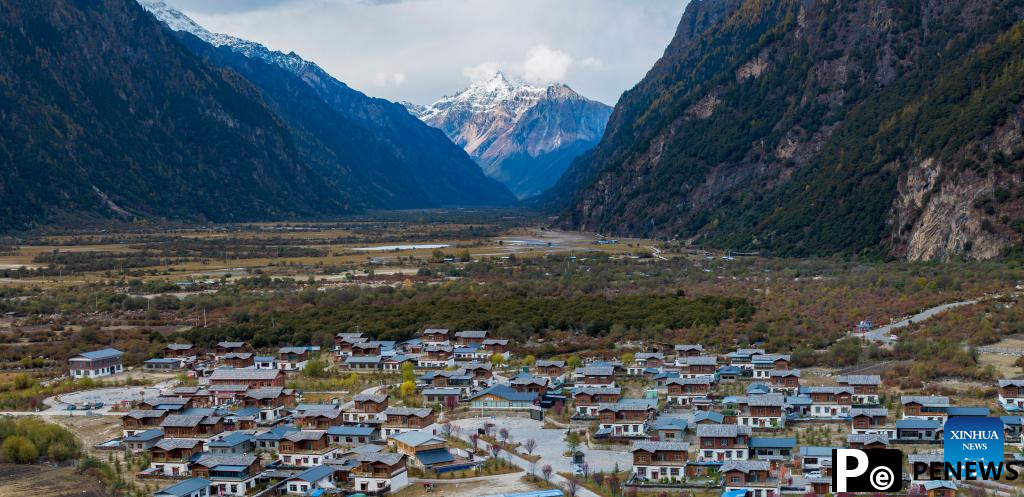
x: 102, y: 114
x: 390, y: 156
x: 820, y: 127
x: 105, y: 114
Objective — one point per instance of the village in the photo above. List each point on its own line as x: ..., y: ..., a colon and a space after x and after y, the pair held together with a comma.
x: 450, y: 405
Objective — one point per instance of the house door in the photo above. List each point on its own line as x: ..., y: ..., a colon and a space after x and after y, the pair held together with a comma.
x: 654, y: 475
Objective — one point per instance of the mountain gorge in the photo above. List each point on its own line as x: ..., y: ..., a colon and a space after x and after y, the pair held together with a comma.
x: 369, y: 144
x: 522, y: 135
x: 819, y: 127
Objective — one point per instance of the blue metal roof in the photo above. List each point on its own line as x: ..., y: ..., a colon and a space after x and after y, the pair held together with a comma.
x: 96, y: 355
x: 434, y: 456
x: 246, y: 411
x: 184, y: 488
x: 1011, y: 420
x: 372, y: 359
x: 350, y: 431
x: 231, y: 440
x: 968, y: 411
x: 771, y: 442
x: 798, y: 400
x: 145, y: 436
x: 314, y: 474
x: 669, y: 424
x: 277, y: 432
x: 917, y: 424
x: 507, y: 393
x: 717, y: 417
x: 934, y: 484
x: 758, y: 387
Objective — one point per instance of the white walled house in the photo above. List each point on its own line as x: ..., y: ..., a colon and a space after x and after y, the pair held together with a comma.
x: 97, y: 363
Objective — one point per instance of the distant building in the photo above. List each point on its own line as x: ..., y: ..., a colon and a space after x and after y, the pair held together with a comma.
x: 104, y: 362
x: 193, y: 487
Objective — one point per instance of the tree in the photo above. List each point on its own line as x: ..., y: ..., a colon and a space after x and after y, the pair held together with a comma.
x: 19, y: 450
x: 529, y: 360
x: 447, y: 429
x: 497, y: 360
x: 407, y: 372
x: 475, y: 438
x: 451, y: 402
x: 574, y: 362
x: 407, y: 388
x: 495, y: 450
x: 503, y: 434
x: 315, y: 368
x: 572, y: 486
x: 546, y: 471
x: 628, y: 358
x: 529, y: 445
x: 572, y: 441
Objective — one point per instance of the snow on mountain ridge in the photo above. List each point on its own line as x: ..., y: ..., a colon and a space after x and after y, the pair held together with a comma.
x: 512, y: 129
x: 178, y: 21
x: 513, y: 98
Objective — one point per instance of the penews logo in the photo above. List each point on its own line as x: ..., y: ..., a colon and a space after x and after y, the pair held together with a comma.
x: 855, y: 471
x: 973, y: 443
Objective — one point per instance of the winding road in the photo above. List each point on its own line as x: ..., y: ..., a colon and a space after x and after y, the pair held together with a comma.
x: 881, y: 334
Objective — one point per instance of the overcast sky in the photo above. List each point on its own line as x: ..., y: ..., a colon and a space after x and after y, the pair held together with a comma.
x: 420, y: 50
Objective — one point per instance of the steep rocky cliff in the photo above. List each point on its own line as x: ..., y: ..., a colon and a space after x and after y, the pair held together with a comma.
x: 810, y: 127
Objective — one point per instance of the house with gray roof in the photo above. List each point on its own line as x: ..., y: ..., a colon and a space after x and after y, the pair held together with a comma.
x: 310, y: 480
x: 930, y: 407
x: 97, y: 363
x: 192, y: 487
x: 657, y: 460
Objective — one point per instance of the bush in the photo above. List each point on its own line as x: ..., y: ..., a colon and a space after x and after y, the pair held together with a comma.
x: 26, y: 439
x: 19, y: 450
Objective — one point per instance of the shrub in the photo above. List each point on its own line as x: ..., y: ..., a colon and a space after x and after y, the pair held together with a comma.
x: 19, y: 450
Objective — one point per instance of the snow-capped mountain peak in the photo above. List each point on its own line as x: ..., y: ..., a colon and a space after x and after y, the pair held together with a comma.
x: 498, y: 93
x: 499, y: 118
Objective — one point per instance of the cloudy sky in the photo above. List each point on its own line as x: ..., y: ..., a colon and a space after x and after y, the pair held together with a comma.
x: 419, y: 50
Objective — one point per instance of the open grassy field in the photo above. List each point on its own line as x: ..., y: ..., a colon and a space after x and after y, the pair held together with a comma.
x: 44, y: 480
x: 301, y: 250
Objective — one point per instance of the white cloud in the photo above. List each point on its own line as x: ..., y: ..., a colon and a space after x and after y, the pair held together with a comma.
x: 437, y: 44
x: 545, y: 65
x: 481, y: 72
x: 385, y: 79
x: 592, y: 63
